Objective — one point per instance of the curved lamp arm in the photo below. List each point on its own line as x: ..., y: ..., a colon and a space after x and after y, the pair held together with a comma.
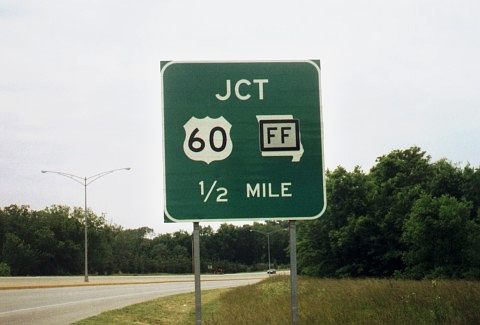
x: 75, y: 178
x: 93, y: 178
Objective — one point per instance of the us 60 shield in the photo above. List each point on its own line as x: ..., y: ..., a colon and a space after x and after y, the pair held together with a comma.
x: 207, y: 139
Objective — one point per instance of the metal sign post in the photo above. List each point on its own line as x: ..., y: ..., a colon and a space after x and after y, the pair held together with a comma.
x: 196, y: 258
x: 293, y: 270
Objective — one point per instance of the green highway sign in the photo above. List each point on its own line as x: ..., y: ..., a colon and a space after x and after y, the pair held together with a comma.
x: 242, y: 141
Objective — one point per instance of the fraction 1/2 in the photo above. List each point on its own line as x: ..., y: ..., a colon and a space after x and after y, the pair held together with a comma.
x: 222, y: 192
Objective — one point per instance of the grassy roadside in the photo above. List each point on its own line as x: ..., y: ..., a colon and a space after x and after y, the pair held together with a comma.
x: 363, y: 301
x: 322, y: 301
x: 178, y: 309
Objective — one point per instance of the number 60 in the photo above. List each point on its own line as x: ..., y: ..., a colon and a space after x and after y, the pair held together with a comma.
x: 201, y: 143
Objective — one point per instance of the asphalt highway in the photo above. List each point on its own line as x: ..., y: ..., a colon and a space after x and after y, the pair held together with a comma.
x: 65, y: 305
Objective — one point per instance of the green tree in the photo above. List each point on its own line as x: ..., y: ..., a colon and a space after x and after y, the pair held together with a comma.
x: 4, y: 269
x: 22, y: 259
x: 58, y: 238
x: 356, y: 246
x: 446, y: 179
x: 130, y: 249
x: 400, y: 178
x: 438, y: 235
x: 470, y: 188
x: 328, y: 246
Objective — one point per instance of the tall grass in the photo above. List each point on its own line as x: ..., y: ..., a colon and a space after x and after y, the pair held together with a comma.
x: 362, y: 301
x: 178, y: 309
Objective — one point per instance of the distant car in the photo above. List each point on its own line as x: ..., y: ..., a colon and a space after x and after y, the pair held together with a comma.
x: 272, y: 271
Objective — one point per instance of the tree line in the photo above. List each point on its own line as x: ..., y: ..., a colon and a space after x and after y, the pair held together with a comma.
x: 408, y: 217
x: 51, y: 242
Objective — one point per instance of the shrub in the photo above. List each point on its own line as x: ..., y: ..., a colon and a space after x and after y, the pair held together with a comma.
x: 4, y: 269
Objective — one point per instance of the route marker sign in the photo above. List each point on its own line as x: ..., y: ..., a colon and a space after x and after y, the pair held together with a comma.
x: 242, y: 141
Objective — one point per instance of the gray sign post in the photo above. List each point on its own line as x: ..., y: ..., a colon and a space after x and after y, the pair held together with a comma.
x: 196, y: 258
x: 293, y: 270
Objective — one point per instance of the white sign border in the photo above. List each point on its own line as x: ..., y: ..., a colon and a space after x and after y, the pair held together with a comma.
x: 167, y: 214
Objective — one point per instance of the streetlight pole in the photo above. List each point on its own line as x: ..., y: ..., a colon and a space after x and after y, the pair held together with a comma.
x: 85, y: 211
x: 268, y: 241
x: 268, y: 245
x: 85, y: 181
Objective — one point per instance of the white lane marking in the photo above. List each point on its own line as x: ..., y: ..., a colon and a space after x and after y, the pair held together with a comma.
x: 95, y: 299
x: 85, y: 300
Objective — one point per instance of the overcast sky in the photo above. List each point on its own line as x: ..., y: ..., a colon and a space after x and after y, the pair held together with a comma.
x: 80, y: 86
